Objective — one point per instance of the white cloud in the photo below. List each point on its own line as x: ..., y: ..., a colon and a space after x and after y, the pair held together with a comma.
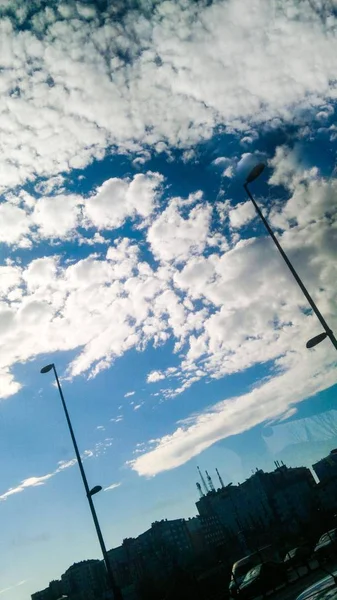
x: 117, y: 419
x: 50, y: 185
x: 57, y: 216
x: 67, y: 98
x: 26, y: 483
x: 254, y: 314
x: 113, y: 486
x: 155, y: 376
x: 97, y: 450
x: 235, y: 415
x: 11, y: 587
x: 128, y: 394
x: 241, y: 214
x: 229, y: 172
x: 245, y: 316
x: 24, y: 219
x: 76, y: 96
x: 221, y: 161
x: 14, y: 223
x: 66, y: 464
x: 226, y: 310
x: 173, y: 237
x: 118, y: 199
x: 40, y: 273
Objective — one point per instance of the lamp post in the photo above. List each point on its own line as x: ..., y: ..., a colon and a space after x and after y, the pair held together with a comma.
x: 117, y: 595
x: 254, y: 174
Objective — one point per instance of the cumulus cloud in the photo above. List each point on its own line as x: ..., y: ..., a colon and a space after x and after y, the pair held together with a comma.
x: 174, y: 237
x: 15, y: 223
x: 235, y: 415
x: 50, y: 185
x: 229, y: 172
x: 118, y: 199
x: 254, y: 313
x: 225, y: 313
x: 128, y: 394
x: 57, y: 216
x: 74, y: 86
x: 25, y: 220
x: 241, y: 214
x: 155, y: 376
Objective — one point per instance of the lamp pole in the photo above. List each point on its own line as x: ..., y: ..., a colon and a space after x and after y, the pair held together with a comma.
x: 117, y: 595
x: 254, y: 174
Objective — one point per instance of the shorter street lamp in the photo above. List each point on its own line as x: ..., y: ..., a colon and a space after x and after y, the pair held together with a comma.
x: 117, y: 595
x: 254, y: 174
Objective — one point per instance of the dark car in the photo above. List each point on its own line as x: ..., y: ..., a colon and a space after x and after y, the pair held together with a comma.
x: 325, y: 589
x: 326, y: 546
x: 259, y: 580
x: 297, y: 557
x: 245, y: 564
x: 239, y: 572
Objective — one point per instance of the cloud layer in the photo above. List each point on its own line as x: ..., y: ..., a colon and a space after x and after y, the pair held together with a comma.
x: 76, y: 85
x: 76, y: 82
x: 259, y: 315
x: 30, y: 482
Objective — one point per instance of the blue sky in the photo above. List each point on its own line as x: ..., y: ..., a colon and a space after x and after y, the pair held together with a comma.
x: 131, y: 258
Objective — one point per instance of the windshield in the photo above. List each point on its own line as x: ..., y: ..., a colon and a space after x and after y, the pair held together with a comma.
x: 241, y: 570
x: 328, y: 537
x: 252, y: 573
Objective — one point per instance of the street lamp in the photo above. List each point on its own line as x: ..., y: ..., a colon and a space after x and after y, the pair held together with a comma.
x: 254, y: 174
x: 117, y: 595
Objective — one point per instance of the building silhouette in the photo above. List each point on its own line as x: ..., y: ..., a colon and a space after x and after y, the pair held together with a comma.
x: 326, y: 468
x: 52, y: 592
x: 284, y: 497
x: 232, y: 521
x: 84, y: 580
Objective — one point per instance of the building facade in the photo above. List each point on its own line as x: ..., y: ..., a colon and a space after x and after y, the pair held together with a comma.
x: 326, y: 468
x: 53, y: 592
x: 284, y: 499
x: 84, y: 580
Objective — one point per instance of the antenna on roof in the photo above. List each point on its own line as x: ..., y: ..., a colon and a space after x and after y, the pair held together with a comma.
x: 220, y: 478
x: 203, y: 481
x: 210, y: 482
x: 201, y: 493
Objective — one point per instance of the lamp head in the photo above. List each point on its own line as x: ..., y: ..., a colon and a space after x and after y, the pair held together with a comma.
x: 95, y: 490
x: 255, y: 172
x: 316, y: 340
x: 47, y: 368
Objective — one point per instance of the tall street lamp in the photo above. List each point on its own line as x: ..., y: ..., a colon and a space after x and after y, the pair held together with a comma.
x: 254, y: 174
x: 117, y: 595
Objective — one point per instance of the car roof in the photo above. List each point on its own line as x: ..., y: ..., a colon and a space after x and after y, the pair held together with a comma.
x: 248, y: 557
x: 245, y: 559
x: 329, y: 531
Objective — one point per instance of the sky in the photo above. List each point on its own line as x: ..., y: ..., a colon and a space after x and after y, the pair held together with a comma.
x: 133, y: 260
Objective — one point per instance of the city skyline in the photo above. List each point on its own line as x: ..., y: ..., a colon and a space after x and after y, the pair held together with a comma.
x: 287, y: 496
x: 133, y: 260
